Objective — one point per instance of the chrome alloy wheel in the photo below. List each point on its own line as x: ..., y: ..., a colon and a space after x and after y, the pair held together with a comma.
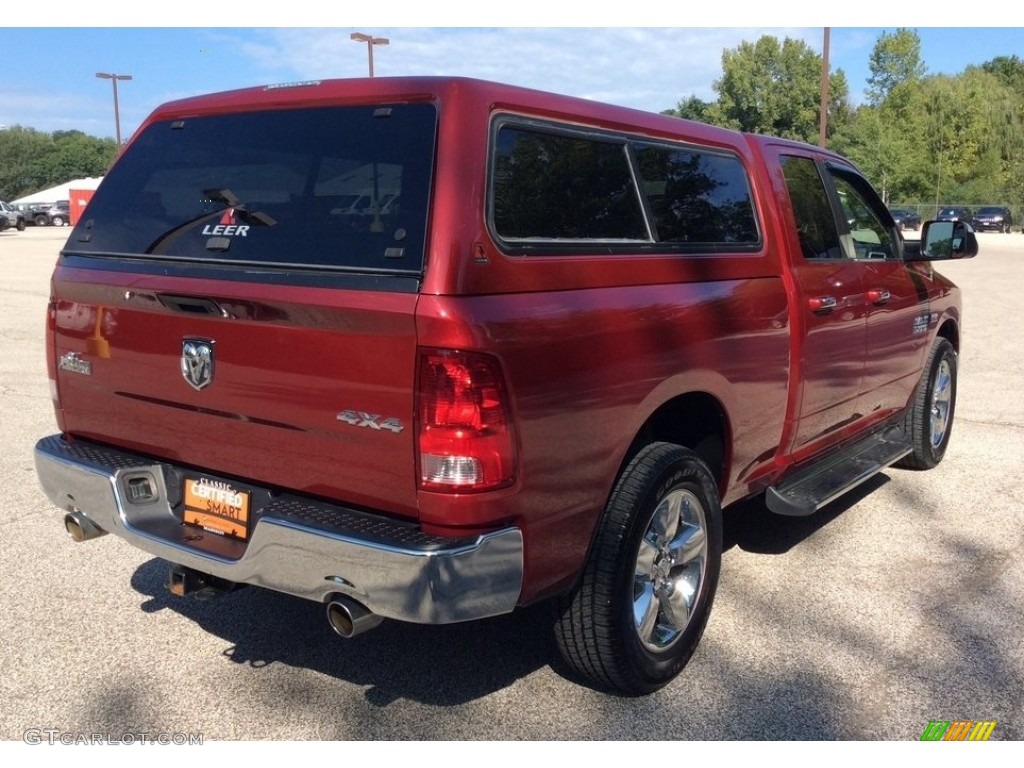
x: 669, y: 572
x: 942, y: 396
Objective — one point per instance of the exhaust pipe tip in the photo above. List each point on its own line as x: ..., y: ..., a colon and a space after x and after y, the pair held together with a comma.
x: 81, y: 527
x: 349, y: 619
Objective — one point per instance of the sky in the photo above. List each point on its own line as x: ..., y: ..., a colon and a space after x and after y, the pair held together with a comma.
x: 49, y: 74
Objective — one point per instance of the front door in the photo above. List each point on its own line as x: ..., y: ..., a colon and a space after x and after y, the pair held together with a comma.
x: 896, y: 298
x: 829, y: 321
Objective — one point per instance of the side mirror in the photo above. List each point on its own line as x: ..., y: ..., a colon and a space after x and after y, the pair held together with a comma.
x: 941, y: 240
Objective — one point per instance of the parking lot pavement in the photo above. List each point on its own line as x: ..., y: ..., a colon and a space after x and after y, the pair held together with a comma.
x: 894, y: 607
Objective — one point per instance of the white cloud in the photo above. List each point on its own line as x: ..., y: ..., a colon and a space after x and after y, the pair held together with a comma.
x: 647, y: 68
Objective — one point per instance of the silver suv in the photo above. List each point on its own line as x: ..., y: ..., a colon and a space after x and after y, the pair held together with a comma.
x: 10, y: 217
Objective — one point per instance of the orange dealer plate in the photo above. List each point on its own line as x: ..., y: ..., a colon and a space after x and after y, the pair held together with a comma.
x: 217, y: 507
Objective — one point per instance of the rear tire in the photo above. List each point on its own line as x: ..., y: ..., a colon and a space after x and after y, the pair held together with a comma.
x: 645, y: 595
x: 929, y: 419
x: 21, y: 225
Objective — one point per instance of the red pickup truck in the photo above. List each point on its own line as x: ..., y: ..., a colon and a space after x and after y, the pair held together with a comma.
x: 431, y: 349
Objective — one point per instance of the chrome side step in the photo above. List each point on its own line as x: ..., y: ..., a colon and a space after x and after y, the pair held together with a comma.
x: 811, y: 488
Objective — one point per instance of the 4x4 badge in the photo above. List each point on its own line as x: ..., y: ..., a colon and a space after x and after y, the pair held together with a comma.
x: 197, y: 362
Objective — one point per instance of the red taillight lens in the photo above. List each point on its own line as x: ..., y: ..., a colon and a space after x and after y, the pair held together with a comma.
x: 466, y: 440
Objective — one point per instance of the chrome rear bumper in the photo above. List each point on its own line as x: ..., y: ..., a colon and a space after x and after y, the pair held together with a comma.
x: 300, y: 546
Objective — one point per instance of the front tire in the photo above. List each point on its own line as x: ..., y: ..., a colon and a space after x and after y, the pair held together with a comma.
x: 929, y: 419
x: 640, y: 608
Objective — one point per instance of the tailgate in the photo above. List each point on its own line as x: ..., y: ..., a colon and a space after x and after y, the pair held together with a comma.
x: 306, y: 388
x: 239, y: 294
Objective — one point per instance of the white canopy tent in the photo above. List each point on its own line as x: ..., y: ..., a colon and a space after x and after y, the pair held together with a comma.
x: 60, y: 192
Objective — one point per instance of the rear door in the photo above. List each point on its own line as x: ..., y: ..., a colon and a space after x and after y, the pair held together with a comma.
x: 829, y: 318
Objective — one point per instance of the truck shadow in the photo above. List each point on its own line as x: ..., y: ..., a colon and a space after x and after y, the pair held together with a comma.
x: 439, y: 665
x: 752, y: 527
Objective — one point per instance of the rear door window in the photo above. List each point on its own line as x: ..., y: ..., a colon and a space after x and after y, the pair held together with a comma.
x: 812, y: 211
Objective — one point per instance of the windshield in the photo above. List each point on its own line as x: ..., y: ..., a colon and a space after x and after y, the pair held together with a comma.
x: 342, y: 188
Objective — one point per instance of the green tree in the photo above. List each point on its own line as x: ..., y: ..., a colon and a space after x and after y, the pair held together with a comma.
x: 693, y: 108
x: 887, y: 137
x: 1009, y: 70
x: 882, y: 153
x: 958, y: 135
x: 1006, y: 125
x: 74, y: 155
x: 895, y: 64
x: 920, y: 138
x: 31, y: 160
x: 20, y: 149
x: 775, y: 88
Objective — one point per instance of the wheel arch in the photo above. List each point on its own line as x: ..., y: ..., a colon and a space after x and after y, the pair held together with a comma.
x: 695, y: 420
x: 950, y: 331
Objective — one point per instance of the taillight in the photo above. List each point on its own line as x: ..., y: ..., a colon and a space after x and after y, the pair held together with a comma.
x: 466, y: 439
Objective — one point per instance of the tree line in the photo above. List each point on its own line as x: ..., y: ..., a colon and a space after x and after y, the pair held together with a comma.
x: 32, y: 160
x: 921, y: 139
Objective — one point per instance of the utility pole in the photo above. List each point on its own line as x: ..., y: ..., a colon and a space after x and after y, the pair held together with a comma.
x: 823, y: 117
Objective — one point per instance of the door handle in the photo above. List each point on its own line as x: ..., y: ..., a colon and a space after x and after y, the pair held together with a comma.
x: 821, y: 303
x: 877, y: 296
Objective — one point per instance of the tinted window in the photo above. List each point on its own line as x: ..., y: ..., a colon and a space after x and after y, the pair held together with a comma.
x: 815, y: 223
x: 305, y: 187
x: 871, y: 236
x: 696, y: 196
x: 550, y: 186
x: 562, y: 187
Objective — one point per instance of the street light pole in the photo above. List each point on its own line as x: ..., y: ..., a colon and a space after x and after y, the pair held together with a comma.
x: 370, y: 41
x: 117, y: 114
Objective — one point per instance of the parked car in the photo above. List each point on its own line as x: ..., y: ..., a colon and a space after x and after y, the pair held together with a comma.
x: 29, y: 211
x: 11, y: 217
x: 60, y: 213
x: 955, y: 213
x: 584, y: 331
x: 996, y: 218
x: 56, y: 214
x: 906, y: 218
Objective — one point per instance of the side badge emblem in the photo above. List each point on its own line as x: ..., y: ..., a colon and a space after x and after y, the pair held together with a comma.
x: 197, y: 362
x: 73, y: 362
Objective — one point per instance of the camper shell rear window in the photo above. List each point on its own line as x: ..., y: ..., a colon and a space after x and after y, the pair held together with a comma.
x: 326, y: 188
